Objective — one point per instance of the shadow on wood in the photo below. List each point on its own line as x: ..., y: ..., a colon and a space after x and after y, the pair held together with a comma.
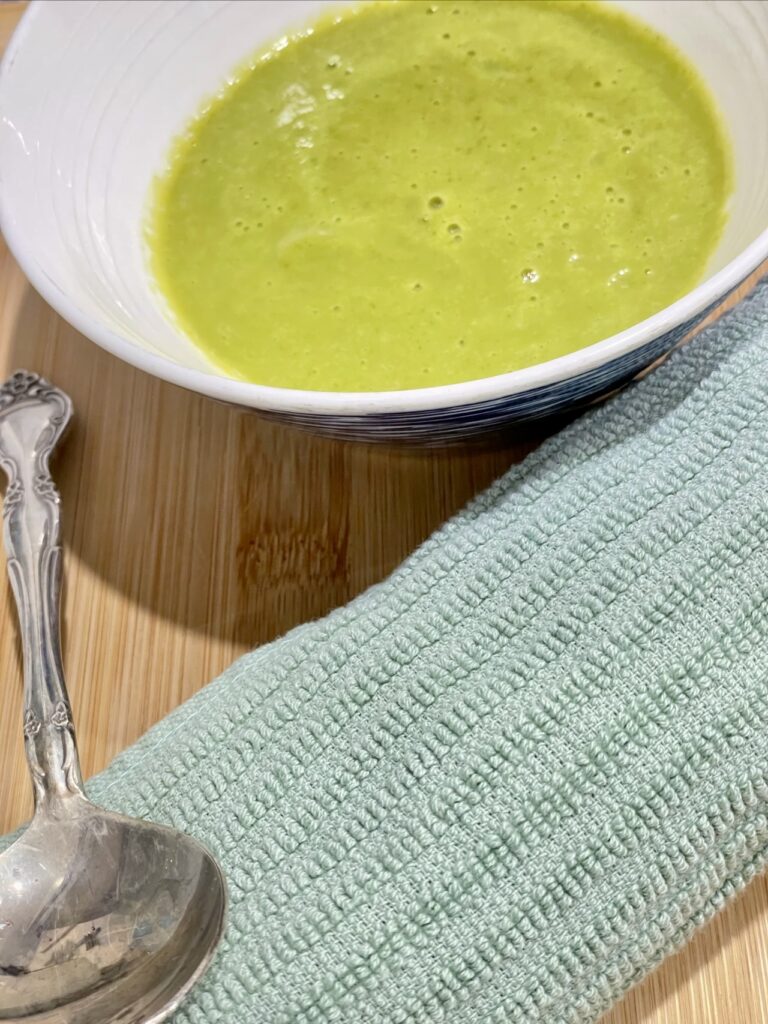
x: 223, y: 522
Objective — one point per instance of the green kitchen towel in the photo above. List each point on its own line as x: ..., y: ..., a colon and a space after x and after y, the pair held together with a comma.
x: 503, y: 784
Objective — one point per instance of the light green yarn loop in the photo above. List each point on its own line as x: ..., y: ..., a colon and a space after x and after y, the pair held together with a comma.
x: 503, y: 784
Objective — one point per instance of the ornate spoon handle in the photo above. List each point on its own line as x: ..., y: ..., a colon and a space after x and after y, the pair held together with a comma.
x: 33, y: 416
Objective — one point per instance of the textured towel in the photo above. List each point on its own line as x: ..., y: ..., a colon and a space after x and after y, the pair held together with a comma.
x: 503, y: 784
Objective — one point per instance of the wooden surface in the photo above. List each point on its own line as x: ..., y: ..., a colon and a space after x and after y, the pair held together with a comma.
x: 194, y: 532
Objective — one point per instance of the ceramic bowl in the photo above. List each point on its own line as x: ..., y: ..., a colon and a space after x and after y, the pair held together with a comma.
x: 91, y: 94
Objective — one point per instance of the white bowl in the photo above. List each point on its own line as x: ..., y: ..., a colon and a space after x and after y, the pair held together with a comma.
x: 91, y: 94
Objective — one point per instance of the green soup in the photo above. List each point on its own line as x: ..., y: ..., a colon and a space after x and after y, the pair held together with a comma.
x: 410, y: 194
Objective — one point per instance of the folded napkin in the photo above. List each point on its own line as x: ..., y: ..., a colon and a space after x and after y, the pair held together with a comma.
x: 503, y: 784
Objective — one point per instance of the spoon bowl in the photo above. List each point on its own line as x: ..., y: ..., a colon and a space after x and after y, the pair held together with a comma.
x: 103, y: 918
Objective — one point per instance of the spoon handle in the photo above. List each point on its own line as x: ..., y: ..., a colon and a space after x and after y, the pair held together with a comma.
x: 33, y: 416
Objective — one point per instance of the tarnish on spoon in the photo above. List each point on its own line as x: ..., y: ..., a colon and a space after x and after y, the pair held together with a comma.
x: 102, y: 917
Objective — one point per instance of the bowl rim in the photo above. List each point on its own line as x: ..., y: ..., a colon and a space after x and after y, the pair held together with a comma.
x: 363, y: 403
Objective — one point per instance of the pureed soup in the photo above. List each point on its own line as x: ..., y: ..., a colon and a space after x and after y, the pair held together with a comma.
x: 411, y: 194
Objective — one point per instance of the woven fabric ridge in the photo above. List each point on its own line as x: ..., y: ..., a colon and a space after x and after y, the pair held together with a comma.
x: 503, y: 784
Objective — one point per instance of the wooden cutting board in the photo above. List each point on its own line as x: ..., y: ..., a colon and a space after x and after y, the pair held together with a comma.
x: 194, y: 532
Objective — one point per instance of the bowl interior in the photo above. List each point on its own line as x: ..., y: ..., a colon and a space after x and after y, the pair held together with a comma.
x: 77, y: 161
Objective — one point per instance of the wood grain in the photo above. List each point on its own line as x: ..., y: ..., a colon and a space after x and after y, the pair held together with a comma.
x: 194, y: 531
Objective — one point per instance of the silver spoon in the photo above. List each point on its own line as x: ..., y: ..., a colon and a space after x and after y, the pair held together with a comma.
x: 102, y: 918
